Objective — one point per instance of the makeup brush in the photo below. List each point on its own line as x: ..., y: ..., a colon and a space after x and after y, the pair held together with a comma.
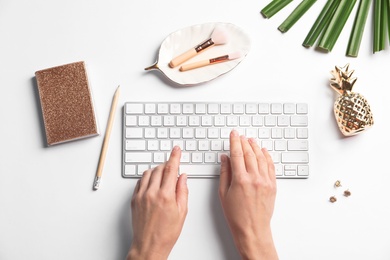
x: 218, y: 37
x: 202, y: 63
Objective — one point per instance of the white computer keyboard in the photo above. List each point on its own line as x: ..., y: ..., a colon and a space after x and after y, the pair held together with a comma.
x: 152, y: 129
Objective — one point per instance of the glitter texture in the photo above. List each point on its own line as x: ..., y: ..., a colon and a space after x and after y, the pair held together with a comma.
x: 66, y: 103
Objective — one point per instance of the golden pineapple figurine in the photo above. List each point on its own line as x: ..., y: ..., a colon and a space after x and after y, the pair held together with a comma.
x: 352, y: 111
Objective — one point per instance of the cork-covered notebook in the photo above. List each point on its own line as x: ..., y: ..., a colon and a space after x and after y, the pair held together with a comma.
x: 66, y: 102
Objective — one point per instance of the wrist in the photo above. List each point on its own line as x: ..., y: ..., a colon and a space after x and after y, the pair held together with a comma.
x: 137, y: 253
x: 257, y: 246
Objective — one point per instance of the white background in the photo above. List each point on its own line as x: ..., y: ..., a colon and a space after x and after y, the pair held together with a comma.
x: 47, y: 207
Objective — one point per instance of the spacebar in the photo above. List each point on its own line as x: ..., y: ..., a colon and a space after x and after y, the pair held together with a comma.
x: 204, y: 170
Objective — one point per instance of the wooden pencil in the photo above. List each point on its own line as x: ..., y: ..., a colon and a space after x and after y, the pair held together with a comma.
x: 106, y: 139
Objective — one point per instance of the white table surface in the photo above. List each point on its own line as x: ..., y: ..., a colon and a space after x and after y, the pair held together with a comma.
x: 48, y: 209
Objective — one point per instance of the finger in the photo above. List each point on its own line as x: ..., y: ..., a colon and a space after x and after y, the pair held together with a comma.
x: 236, y: 154
x: 182, y: 193
x: 225, y: 178
x: 156, y: 177
x: 144, y: 181
x: 249, y: 156
x: 271, y: 165
x: 171, y: 170
x: 135, y: 192
x: 262, y: 164
x: 136, y: 188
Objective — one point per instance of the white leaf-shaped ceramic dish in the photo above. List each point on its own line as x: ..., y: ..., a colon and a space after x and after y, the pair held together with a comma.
x: 184, y: 39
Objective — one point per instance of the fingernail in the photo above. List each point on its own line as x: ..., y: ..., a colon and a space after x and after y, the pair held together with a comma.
x: 252, y: 140
x: 234, y: 132
x: 223, y: 158
x: 176, y: 148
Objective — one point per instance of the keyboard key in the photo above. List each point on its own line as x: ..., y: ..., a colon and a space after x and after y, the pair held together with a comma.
x: 289, y: 108
x: 276, y: 133
x: 219, y: 120
x: 200, y: 170
x: 134, y: 108
x: 135, y: 145
x: 181, y: 121
x: 298, y: 120
x: 251, y: 109
x: 175, y: 109
x: 210, y: 157
x: 302, y: 108
x: 289, y: 133
x: 200, y: 133
x: 207, y: 121
x: 295, y: 157
x: 245, y: 121
x: 188, y: 133
x: 153, y: 145
x: 270, y: 120
x: 162, y: 109
x: 257, y: 121
x: 298, y: 145
x: 191, y: 145
x: 194, y: 121
x: 204, y: 145
x: 156, y: 121
x: 212, y: 133
x: 138, y: 157
x: 188, y: 109
x: 185, y: 158
x: 216, y: 145
x: 267, y: 144
x: 303, y: 170
x: 143, y: 121
x: 263, y: 108
x: 131, y: 120
x: 280, y: 145
x: 165, y: 145
x: 174, y: 132
x: 264, y: 133
x: 150, y: 109
x: 142, y: 168
x: 134, y: 133
x: 283, y: 120
x: 150, y: 133
x: 276, y: 108
x: 213, y: 109
x: 302, y: 133
x: 158, y: 157
x: 200, y: 109
x: 129, y: 170
x: 226, y: 108
x: 238, y: 109
x: 168, y: 120
x: 197, y: 157
x: 162, y: 133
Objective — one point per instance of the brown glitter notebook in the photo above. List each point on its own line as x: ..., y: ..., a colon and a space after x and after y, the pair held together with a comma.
x: 66, y: 102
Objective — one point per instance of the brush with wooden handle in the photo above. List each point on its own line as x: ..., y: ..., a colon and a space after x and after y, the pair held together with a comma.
x: 218, y: 37
x: 202, y: 63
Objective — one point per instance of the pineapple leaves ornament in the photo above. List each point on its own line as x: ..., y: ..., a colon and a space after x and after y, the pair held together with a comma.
x: 352, y: 111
